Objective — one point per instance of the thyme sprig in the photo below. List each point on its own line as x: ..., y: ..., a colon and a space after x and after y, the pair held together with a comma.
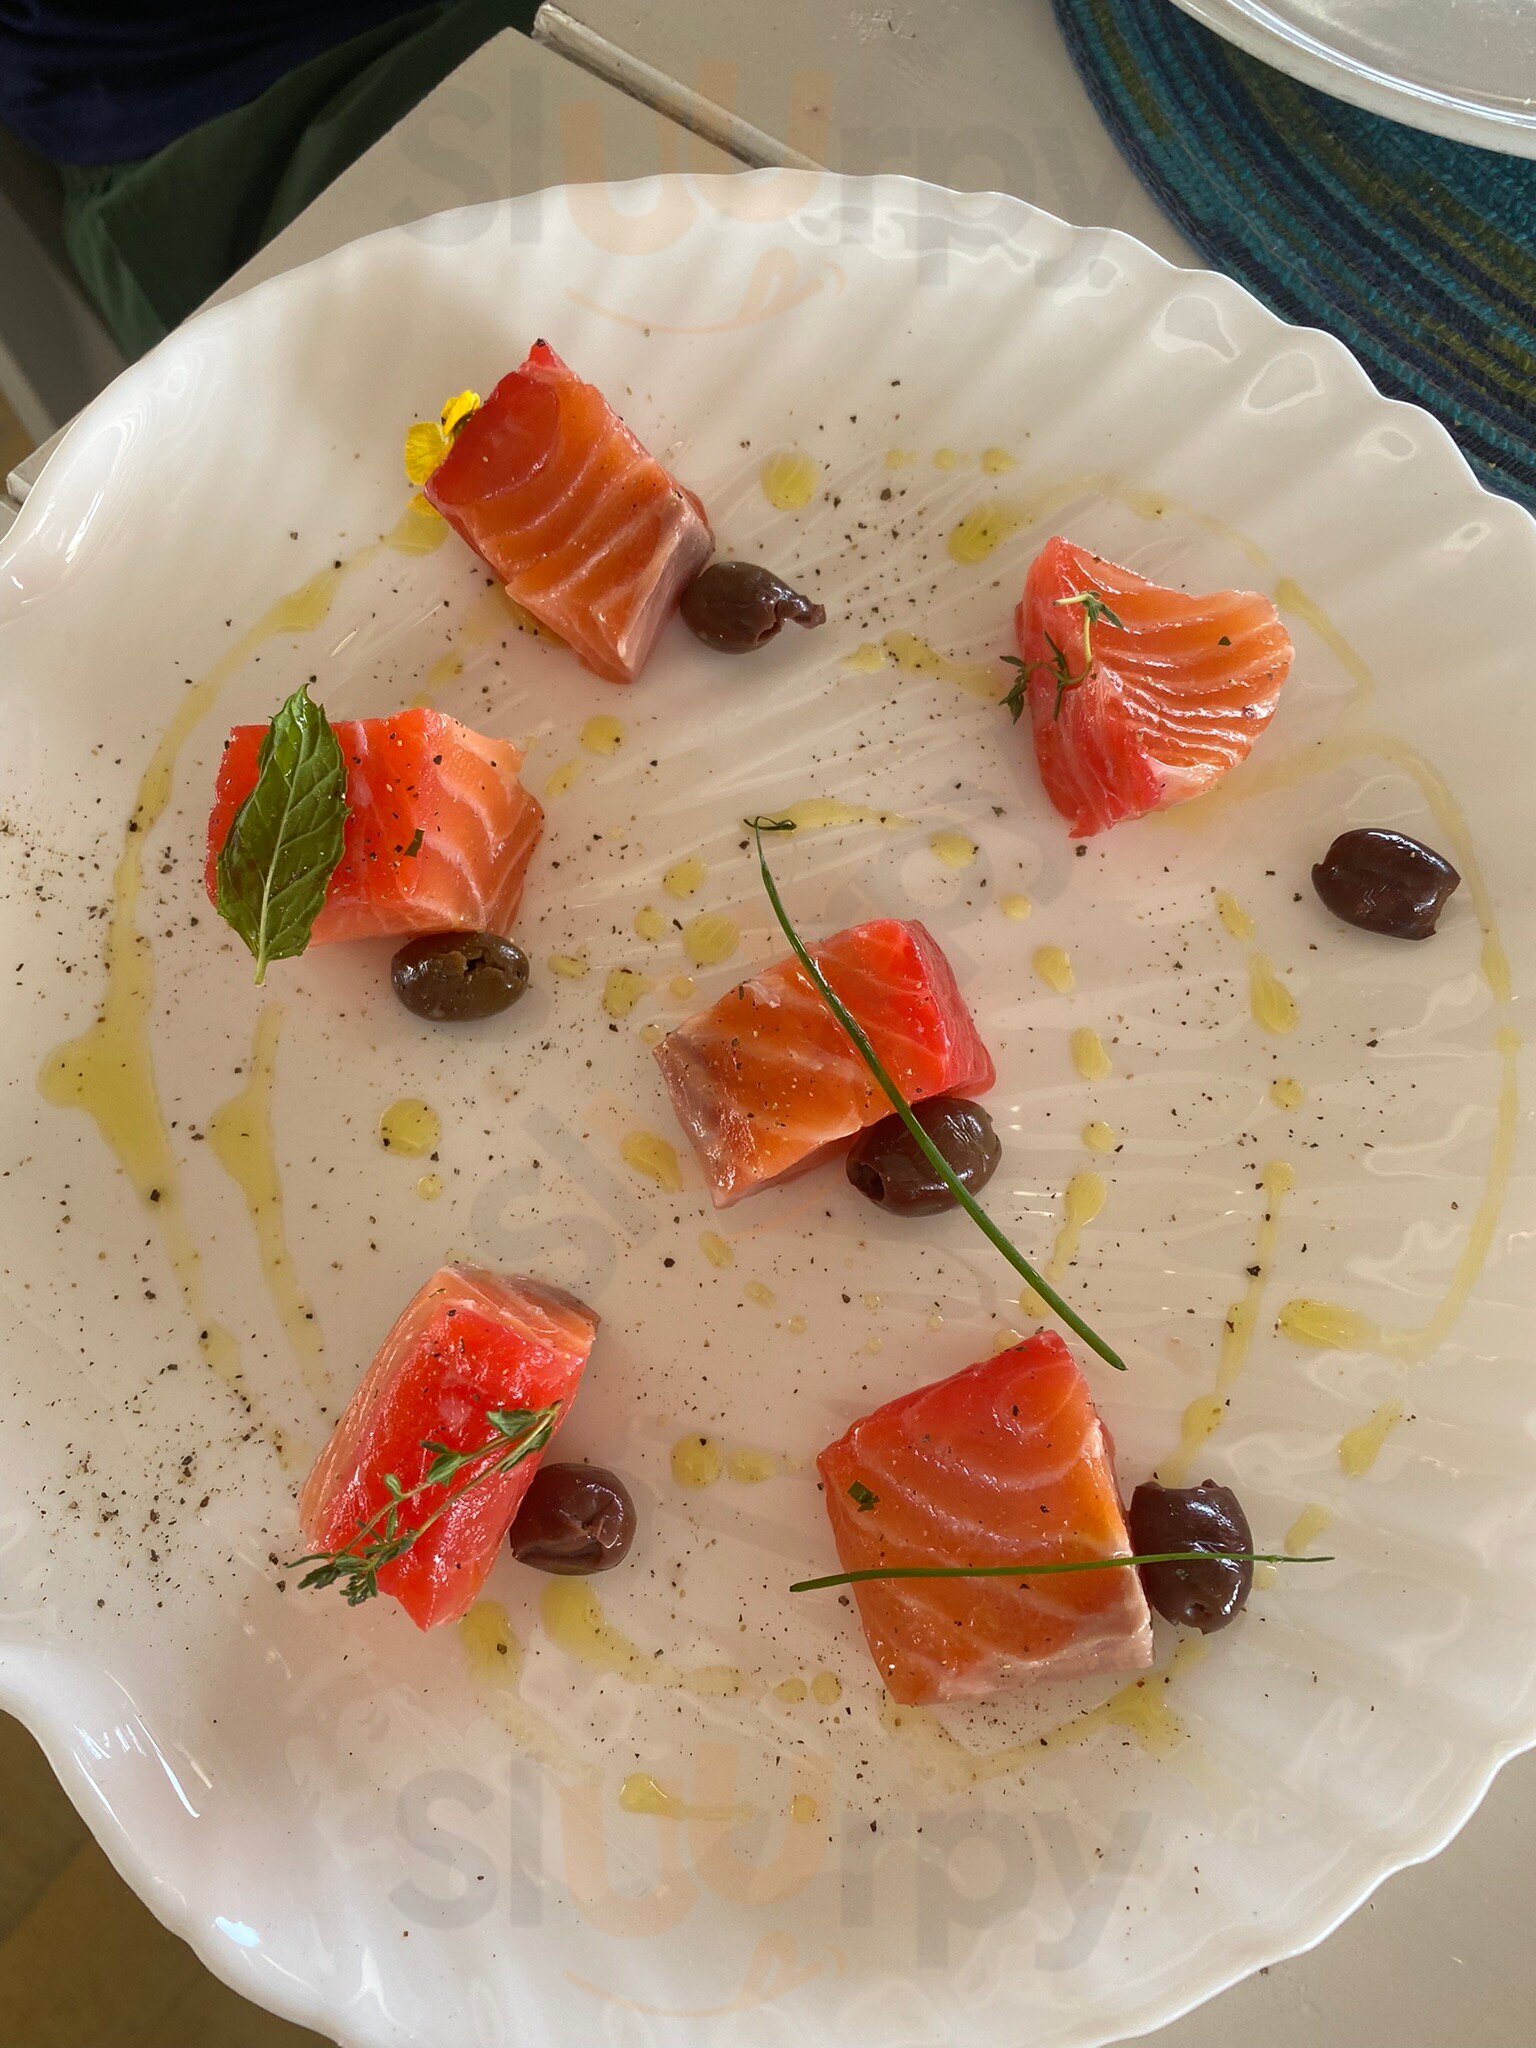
x: 1058, y: 667
x: 518, y: 1434
x: 935, y: 1158
x: 1040, y: 1571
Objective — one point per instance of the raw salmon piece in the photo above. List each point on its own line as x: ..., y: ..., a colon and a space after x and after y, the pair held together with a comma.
x: 1007, y: 1460
x: 1177, y: 695
x: 766, y: 1082
x: 418, y: 772
x: 469, y: 1342
x: 560, y: 501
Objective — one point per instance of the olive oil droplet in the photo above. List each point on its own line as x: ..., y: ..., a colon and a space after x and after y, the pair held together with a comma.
x: 1324, y: 1326
x: 710, y: 938
x: 789, y: 479
x: 410, y: 1127
x: 1360, y: 1447
x: 1233, y: 916
x: 750, y: 1467
x: 982, y: 680
x: 952, y: 849
x: 1054, y: 968
x: 623, y: 989
x: 651, y: 1155
x: 981, y: 531
x: 685, y: 877
x: 1089, y: 1056
x: 1312, y: 1522
x: 695, y: 1461
x: 602, y: 734
x: 1273, y: 1006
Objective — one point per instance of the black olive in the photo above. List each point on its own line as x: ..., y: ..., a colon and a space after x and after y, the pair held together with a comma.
x: 453, y: 977
x: 886, y: 1165
x: 1208, y: 1595
x: 573, y: 1519
x: 1385, y: 882
x: 736, y: 606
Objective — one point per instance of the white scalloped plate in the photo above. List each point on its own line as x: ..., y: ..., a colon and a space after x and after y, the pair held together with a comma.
x: 352, y: 1823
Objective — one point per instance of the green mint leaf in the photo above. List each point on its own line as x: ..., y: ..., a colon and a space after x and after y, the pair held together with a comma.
x: 286, y: 839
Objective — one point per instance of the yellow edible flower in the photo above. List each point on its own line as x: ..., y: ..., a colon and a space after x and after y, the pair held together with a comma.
x: 428, y: 441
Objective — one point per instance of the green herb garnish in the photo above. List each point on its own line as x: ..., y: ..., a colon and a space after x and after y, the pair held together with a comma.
x: 286, y: 839
x: 415, y: 846
x: 862, y: 1498
x: 519, y: 1432
x: 1040, y: 1571
x: 1058, y: 667
x: 861, y: 1045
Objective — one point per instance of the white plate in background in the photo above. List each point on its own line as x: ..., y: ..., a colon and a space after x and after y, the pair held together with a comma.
x: 1466, y: 70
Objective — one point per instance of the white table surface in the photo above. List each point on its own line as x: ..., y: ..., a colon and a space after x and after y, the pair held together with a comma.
x: 980, y: 95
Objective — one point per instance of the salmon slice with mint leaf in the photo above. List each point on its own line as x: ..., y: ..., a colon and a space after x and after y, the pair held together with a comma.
x: 438, y: 834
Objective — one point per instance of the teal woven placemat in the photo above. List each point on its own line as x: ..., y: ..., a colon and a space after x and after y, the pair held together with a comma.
x: 1417, y: 253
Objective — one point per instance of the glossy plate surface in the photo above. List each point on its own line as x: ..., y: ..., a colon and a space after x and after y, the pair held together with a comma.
x: 446, y: 1841
x: 1467, y: 72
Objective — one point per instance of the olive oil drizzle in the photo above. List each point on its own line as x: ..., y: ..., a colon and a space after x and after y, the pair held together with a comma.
x: 495, y: 1657
x: 1324, y: 1326
x: 1206, y: 1413
x: 574, y: 1622
x: 1082, y: 1203
x: 108, y: 1070
x: 1140, y: 1708
x: 240, y: 1134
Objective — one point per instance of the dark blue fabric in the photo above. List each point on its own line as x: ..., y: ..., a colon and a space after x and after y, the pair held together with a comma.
x: 115, y: 81
x: 1419, y: 253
